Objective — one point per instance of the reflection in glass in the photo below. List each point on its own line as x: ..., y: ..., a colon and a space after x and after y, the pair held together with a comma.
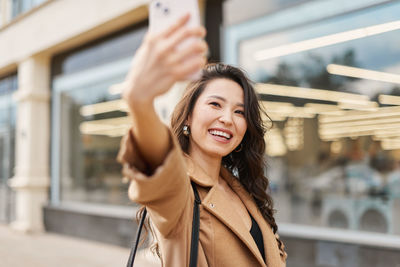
x: 22, y: 6
x: 334, y: 148
x: 7, y: 147
x: 89, y: 119
x: 90, y: 139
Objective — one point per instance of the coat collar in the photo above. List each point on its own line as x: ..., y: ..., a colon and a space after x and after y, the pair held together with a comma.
x: 197, y: 174
x: 217, y: 205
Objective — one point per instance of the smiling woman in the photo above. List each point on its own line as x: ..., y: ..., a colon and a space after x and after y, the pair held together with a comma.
x: 215, y: 145
x: 223, y: 111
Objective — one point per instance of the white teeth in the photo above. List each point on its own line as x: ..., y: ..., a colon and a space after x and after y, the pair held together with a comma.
x: 220, y: 133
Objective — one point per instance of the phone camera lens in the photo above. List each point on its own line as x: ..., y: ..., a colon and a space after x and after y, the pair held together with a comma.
x: 166, y: 10
x: 158, y: 4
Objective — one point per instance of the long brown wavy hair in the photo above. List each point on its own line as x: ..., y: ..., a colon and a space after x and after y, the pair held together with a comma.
x: 249, y: 163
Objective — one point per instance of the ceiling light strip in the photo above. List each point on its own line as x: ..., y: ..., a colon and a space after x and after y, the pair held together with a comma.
x: 325, y: 40
x: 358, y: 129
x: 360, y: 123
x: 104, y: 107
x: 310, y: 93
x: 358, y: 115
x: 389, y: 99
x: 363, y: 73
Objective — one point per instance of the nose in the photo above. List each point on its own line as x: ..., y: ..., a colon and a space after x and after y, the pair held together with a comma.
x: 226, y: 117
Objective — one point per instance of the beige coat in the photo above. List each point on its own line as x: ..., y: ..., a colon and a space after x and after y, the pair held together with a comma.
x: 168, y: 196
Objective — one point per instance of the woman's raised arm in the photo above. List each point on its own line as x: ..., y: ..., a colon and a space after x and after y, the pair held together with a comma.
x: 156, y: 66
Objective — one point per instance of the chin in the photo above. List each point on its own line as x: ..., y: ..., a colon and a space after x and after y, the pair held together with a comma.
x: 219, y: 153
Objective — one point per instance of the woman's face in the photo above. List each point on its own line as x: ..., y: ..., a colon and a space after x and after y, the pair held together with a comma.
x: 217, y: 123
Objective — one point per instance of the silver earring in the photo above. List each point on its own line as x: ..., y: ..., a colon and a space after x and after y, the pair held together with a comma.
x: 239, y: 148
x: 186, y: 130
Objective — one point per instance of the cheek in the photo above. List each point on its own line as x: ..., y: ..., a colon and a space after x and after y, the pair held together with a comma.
x: 203, y: 117
x: 241, y: 127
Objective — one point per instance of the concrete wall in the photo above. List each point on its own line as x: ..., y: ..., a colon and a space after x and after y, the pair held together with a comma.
x: 59, y: 25
x: 115, y: 230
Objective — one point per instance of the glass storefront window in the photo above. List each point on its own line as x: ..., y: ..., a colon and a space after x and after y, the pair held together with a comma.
x: 22, y: 6
x: 89, y: 142
x: 89, y: 119
x: 7, y: 146
x: 332, y: 90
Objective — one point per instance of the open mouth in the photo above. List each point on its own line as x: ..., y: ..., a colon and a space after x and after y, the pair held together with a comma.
x: 220, y: 134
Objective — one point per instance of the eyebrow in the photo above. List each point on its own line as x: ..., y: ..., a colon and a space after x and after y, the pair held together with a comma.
x: 223, y: 99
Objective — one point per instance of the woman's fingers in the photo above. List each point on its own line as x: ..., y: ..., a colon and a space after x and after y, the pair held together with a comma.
x: 152, y: 38
x: 183, y: 34
x: 178, y: 43
x: 177, y: 25
x: 196, y: 48
x: 164, y: 59
x: 189, y: 66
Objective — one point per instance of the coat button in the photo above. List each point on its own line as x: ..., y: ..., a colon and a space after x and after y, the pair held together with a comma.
x: 212, y: 205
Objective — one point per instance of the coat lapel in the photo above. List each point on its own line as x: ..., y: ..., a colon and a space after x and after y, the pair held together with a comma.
x: 220, y: 207
x: 271, y: 249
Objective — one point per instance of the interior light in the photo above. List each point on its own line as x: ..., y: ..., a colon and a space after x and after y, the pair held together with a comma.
x: 327, y: 40
x: 393, y: 132
x: 361, y: 115
x: 294, y: 134
x: 387, y: 133
x: 336, y: 136
x: 98, y: 108
x: 336, y: 146
x: 357, y: 129
x: 326, y: 109
x: 275, y: 143
x: 110, y: 127
x: 274, y: 117
x: 390, y: 144
x: 279, y: 111
x: 367, y: 105
x: 388, y: 139
x: 376, y: 121
x: 311, y: 93
x: 271, y: 104
x: 322, y: 107
x: 376, y: 134
x: 389, y: 99
x: 288, y: 110
x: 363, y: 73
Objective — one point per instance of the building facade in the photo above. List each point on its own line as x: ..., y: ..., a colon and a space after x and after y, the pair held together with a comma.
x: 326, y: 75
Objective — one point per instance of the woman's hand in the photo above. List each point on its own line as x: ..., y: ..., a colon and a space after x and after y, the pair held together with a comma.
x: 158, y: 64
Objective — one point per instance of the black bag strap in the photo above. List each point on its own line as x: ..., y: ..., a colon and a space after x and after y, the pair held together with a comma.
x: 139, y: 231
x: 194, y: 245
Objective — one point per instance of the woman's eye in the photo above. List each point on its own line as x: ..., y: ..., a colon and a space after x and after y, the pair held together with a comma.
x: 215, y: 104
x: 240, y: 112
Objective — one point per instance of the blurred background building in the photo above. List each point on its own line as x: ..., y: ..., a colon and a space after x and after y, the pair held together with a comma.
x: 328, y: 73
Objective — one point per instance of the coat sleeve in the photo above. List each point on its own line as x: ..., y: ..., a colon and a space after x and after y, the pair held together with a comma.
x: 164, y: 191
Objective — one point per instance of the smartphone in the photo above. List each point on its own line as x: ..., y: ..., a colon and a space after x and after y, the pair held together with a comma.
x: 164, y: 13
